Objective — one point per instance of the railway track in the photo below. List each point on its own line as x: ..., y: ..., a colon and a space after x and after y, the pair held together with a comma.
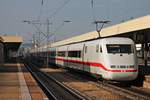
x: 124, y: 92
x: 54, y: 89
x: 129, y: 92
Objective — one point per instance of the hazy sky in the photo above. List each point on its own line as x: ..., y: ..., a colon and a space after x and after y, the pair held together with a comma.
x: 79, y: 12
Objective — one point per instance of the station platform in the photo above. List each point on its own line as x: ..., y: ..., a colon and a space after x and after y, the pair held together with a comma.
x: 16, y: 83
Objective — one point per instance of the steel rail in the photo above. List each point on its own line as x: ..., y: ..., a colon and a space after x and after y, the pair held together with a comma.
x: 44, y: 87
x: 124, y: 91
x: 74, y: 94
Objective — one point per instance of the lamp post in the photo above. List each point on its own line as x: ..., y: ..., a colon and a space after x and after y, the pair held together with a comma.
x: 99, y: 29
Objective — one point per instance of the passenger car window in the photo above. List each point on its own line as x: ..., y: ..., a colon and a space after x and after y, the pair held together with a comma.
x: 76, y: 54
x: 61, y: 53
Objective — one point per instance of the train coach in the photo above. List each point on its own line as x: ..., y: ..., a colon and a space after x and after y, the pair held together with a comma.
x: 111, y: 58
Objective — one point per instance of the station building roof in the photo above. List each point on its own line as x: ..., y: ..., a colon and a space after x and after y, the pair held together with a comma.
x: 138, y: 24
x: 12, y: 39
x: 1, y: 39
x: 11, y: 42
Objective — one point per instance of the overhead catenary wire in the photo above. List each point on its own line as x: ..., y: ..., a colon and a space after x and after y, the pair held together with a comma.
x: 51, y: 16
x: 42, y: 2
x: 93, y: 10
x: 59, y: 9
x: 55, y: 13
x: 40, y: 12
x: 97, y: 22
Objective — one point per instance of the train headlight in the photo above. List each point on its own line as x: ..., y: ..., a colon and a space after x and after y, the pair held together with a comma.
x: 122, y: 66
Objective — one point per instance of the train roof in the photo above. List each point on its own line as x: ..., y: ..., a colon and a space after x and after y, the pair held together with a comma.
x: 125, y: 27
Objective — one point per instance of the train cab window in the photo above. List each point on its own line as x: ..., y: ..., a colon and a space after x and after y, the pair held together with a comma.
x: 119, y: 48
x: 76, y: 54
x: 97, y: 48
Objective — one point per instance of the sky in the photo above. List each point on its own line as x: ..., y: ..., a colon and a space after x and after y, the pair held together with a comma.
x: 81, y: 13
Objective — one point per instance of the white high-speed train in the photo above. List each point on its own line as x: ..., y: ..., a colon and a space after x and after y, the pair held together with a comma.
x: 111, y: 58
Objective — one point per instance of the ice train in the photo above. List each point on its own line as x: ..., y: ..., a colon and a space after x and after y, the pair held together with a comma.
x: 112, y: 58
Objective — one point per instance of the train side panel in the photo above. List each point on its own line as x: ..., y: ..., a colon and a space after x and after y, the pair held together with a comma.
x: 75, y: 56
x: 51, y: 56
x: 93, y: 57
x: 61, y: 57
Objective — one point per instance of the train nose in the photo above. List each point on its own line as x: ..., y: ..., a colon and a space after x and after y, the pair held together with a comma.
x: 123, y: 72
x: 125, y: 76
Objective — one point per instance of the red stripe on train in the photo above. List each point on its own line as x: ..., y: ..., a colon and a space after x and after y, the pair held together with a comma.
x: 93, y: 64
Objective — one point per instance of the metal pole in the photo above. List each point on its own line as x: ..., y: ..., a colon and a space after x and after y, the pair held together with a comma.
x: 145, y: 49
x: 47, y: 42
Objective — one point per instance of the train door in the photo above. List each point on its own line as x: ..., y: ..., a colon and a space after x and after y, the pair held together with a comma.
x: 99, y: 59
x: 57, y: 50
x: 91, y: 58
x: 83, y: 53
x: 66, y: 62
x: 86, y: 57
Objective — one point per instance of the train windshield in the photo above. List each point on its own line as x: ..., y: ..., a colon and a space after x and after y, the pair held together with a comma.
x: 119, y: 48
